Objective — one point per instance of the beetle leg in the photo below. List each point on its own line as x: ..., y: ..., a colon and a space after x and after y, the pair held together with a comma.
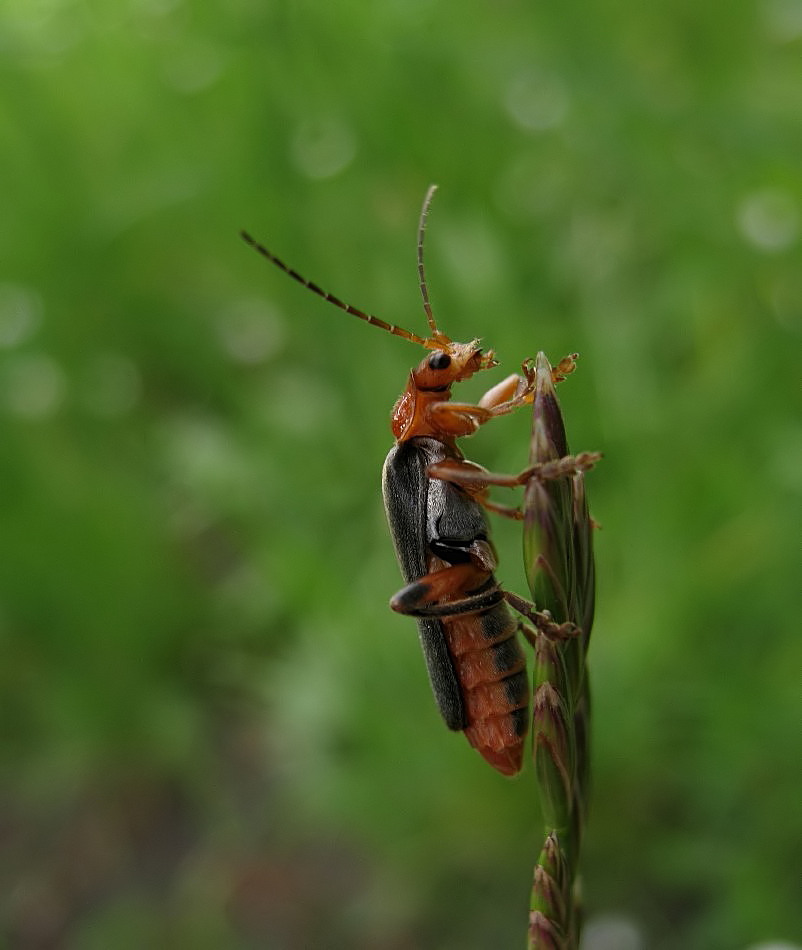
x: 466, y: 605
x: 504, y: 391
x: 473, y: 478
x: 516, y: 390
x: 529, y: 633
x: 564, y: 368
x: 515, y: 512
x: 559, y: 468
x: 457, y: 419
x: 522, y: 398
x: 425, y: 596
x: 542, y: 619
x: 519, y: 390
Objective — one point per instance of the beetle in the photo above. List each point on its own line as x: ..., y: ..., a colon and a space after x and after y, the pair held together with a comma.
x: 435, y: 501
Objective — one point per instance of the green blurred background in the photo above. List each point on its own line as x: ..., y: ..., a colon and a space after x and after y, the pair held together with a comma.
x: 215, y: 734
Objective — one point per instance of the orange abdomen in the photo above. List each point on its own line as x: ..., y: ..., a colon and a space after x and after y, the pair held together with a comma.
x: 491, y: 669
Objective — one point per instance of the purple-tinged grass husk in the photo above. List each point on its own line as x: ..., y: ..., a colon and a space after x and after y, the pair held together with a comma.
x: 558, y: 556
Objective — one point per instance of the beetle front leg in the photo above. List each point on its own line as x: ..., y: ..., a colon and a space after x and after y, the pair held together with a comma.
x: 460, y: 419
x: 457, y: 419
x: 514, y: 388
x: 512, y: 392
x: 519, y: 390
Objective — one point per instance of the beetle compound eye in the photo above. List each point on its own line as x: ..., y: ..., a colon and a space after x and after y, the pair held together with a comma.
x: 439, y: 360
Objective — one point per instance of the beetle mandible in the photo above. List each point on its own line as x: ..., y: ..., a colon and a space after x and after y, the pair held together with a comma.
x: 435, y: 502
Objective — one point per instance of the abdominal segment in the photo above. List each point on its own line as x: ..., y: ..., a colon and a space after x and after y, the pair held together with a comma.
x: 491, y: 669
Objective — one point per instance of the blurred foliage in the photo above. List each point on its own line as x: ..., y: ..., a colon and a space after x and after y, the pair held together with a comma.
x: 215, y: 734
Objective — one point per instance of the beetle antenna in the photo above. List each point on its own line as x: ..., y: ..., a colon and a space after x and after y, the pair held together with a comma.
x: 421, y: 272
x: 367, y: 317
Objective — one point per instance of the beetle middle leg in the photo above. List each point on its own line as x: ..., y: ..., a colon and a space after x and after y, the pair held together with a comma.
x: 474, y: 479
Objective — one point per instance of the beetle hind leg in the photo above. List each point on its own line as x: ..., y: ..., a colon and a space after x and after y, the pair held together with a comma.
x: 543, y: 621
x: 426, y: 597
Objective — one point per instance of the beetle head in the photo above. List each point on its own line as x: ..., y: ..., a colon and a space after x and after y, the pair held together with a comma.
x: 449, y: 363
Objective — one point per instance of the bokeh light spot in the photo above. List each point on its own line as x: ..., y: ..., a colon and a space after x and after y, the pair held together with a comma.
x: 196, y: 67
x: 251, y: 331
x: 783, y: 19
x: 323, y: 147
x: 536, y: 101
x: 611, y: 932
x: 768, y: 219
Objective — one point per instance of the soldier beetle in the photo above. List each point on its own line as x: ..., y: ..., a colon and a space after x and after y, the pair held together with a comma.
x: 435, y: 502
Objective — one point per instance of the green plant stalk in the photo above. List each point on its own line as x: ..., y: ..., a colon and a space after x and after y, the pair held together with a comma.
x: 558, y: 555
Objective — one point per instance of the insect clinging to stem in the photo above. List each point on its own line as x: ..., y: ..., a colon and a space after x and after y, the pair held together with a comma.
x: 435, y: 502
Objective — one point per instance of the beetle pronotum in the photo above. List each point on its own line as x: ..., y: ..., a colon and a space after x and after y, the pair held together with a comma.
x: 435, y: 500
